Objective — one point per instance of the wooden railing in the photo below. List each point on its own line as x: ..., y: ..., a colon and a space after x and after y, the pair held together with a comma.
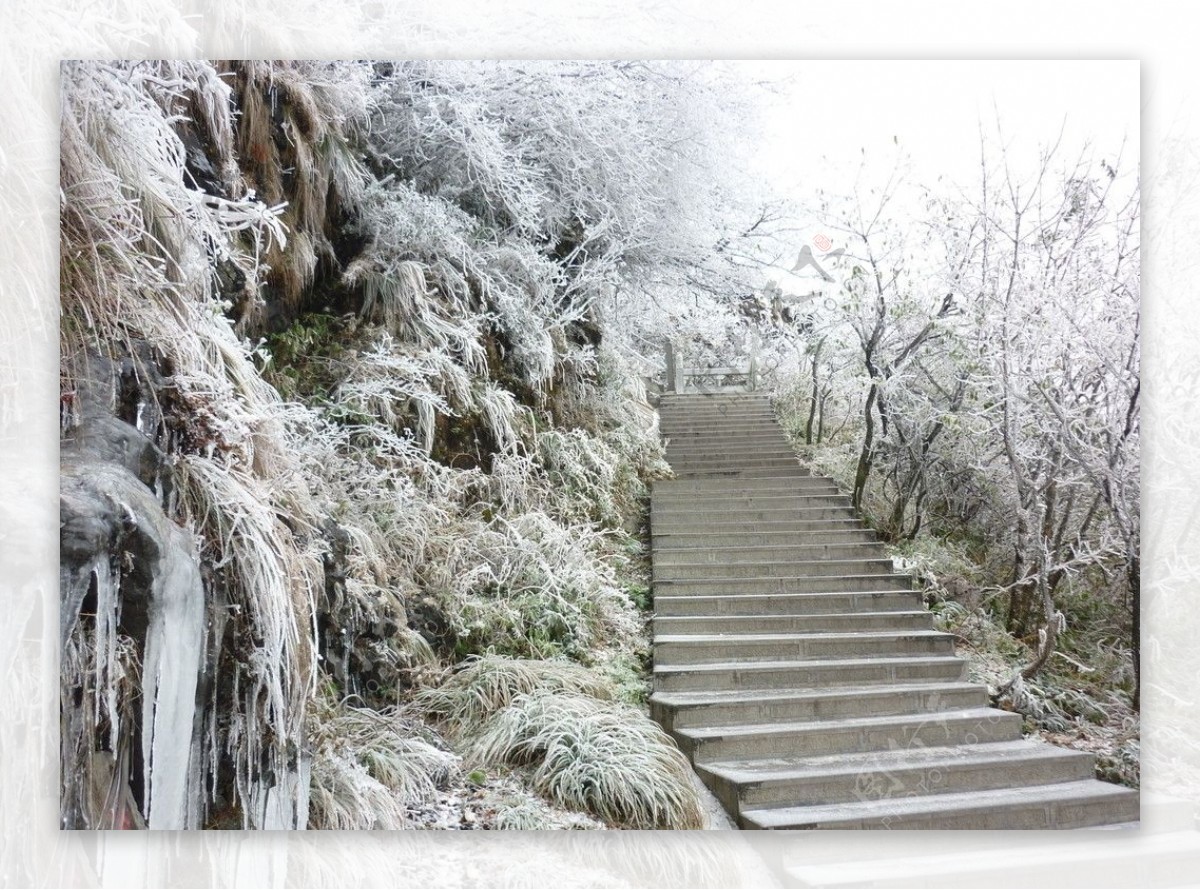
x: 681, y: 377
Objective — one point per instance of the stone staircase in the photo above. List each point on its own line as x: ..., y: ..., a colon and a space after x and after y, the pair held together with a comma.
x: 803, y: 677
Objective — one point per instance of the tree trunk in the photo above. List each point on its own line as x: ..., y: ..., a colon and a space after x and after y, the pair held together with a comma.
x: 1134, y: 573
x: 813, y: 399
x: 864, y: 457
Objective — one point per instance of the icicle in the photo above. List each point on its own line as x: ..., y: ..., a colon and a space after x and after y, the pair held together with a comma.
x: 174, y: 654
x: 284, y: 805
x: 425, y: 425
x: 108, y: 616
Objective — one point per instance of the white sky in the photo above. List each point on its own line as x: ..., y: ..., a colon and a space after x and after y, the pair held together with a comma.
x: 827, y: 112
x: 833, y: 109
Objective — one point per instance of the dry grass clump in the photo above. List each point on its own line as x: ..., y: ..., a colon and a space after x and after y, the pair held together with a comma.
x: 601, y: 756
x: 368, y: 766
x: 313, y: 174
x: 483, y: 685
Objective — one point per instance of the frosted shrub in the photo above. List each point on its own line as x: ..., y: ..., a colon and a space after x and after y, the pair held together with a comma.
x: 415, y: 271
x: 399, y: 386
x: 519, y: 285
x: 530, y: 587
x: 581, y: 469
x: 313, y: 174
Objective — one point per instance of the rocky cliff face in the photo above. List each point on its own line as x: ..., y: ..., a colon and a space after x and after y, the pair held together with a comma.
x: 133, y: 604
x: 187, y: 619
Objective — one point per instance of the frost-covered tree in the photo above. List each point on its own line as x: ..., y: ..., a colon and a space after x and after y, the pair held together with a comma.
x: 1052, y: 272
x: 991, y: 355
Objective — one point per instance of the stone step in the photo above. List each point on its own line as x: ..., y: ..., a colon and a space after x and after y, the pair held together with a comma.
x: 709, y: 525
x: 788, y: 526
x: 692, y: 409
x: 731, y: 418
x: 801, y: 501
x: 693, y: 453
x: 1058, y: 806
x: 731, y: 586
x: 821, y: 507
x: 691, y: 556
x: 780, y: 504
x: 748, y: 515
x: 679, y: 412
x: 905, y: 772
x: 856, y: 553
x: 739, y: 471
x: 685, y: 411
x: 739, y: 464
x: 722, y: 648
x: 786, y: 568
x: 714, y: 398
x: 752, y: 473
x: 797, y: 674
x: 730, y: 444
x: 809, y: 486
x: 849, y: 532
x: 686, y: 709
x: 753, y: 422
x: 719, y: 389
x: 698, y: 398
x: 678, y: 489
x: 769, y: 604
x: 675, y: 487
x: 729, y: 449
x: 735, y: 506
x: 711, y: 435
x: 707, y: 528
x: 743, y: 404
x: 673, y: 419
x: 705, y: 744
x: 737, y: 449
x: 715, y: 405
x: 720, y: 424
x: 670, y: 625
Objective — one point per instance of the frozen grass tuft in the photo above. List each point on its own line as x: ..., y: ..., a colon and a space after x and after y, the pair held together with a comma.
x: 481, y: 686
x: 369, y: 766
x: 516, y: 812
x: 525, y: 816
x: 601, y: 756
